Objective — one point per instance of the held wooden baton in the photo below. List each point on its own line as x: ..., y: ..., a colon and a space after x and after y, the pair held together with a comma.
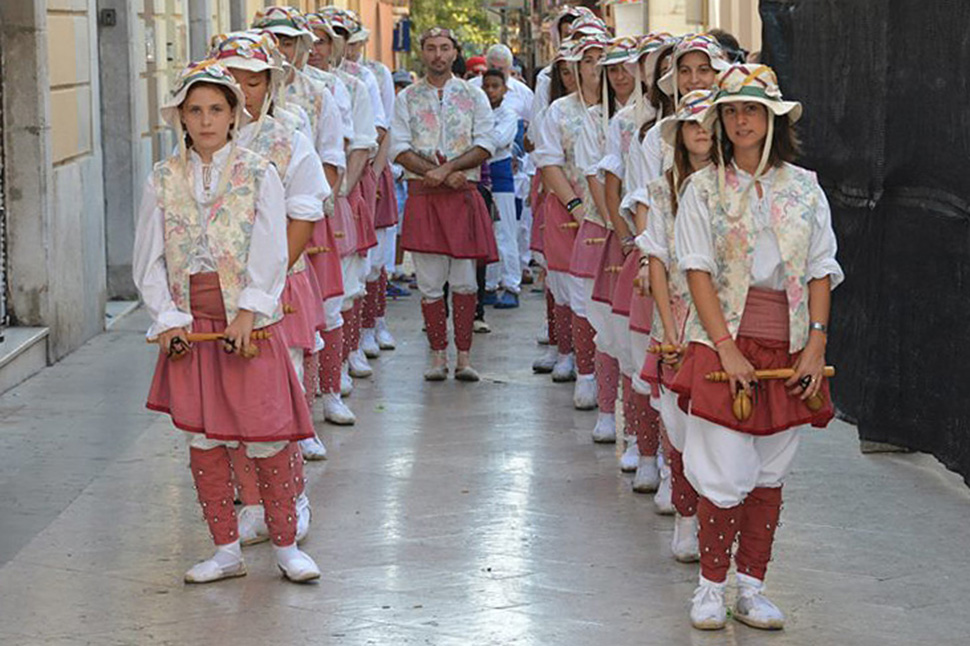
x: 312, y: 251
x: 569, y: 225
x: 776, y: 373
x: 666, y: 348
x: 592, y: 241
x: 202, y: 337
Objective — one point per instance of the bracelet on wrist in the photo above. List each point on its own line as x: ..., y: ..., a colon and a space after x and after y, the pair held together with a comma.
x: 726, y: 337
x: 573, y: 204
x: 819, y: 327
x: 644, y: 261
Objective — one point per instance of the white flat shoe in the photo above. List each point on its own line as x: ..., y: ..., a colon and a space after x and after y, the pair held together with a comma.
x: 359, y: 368
x: 346, y: 382
x: 252, y: 525
x: 684, y: 544
x: 295, y: 565
x: 226, y: 563
x: 707, y: 610
x: 564, y: 369
x: 466, y: 373
x: 647, y: 477
x: 663, y: 500
x: 304, y: 515
x: 336, y: 411
x: 605, y: 430
x: 368, y: 343
x: 385, y: 340
x: 631, y: 456
x: 547, y: 362
x: 584, y: 394
x: 753, y: 608
x: 313, y: 449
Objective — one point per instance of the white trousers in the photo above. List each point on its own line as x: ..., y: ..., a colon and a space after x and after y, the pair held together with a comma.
x: 525, y: 233
x: 354, y: 270
x: 507, y: 272
x: 378, y: 255
x: 253, y: 449
x: 637, y: 344
x: 331, y: 310
x: 724, y: 465
x: 390, y: 251
x: 434, y: 270
x: 674, y: 419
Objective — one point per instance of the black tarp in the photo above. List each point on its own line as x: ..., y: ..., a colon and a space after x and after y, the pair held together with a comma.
x: 887, y: 127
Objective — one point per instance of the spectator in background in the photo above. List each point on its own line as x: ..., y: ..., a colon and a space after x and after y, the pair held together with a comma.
x: 475, y: 67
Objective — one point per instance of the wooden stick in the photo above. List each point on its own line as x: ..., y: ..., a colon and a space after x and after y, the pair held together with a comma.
x: 776, y: 373
x: 339, y: 234
x: 289, y: 309
x: 200, y: 337
x: 315, y: 250
x: 592, y: 241
x: 614, y: 269
x: 569, y: 225
x: 665, y: 348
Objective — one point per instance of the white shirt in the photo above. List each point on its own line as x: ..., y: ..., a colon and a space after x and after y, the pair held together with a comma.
x: 420, y: 102
x: 268, y: 251
x: 540, y: 100
x: 518, y: 97
x: 506, y: 127
x: 694, y: 242
x: 328, y: 139
x: 653, y: 241
x: 304, y: 184
x: 653, y: 153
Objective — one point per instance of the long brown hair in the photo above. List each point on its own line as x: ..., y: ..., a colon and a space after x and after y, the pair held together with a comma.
x: 682, y: 170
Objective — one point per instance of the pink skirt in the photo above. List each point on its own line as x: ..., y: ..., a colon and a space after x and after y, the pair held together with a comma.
x: 363, y: 221
x: 537, y: 234
x: 641, y: 311
x: 386, y: 213
x: 774, y: 410
x: 623, y: 293
x: 325, y: 263
x: 558, y: 239
x: 606, y: 278
x: 224, y: 396
x: 300, y: 311
x: 319, y: 312
x: 344, y: 227
x: 588, y: 249
x: 448, y: 222
x: 368, y: 188
x: 654, y: 372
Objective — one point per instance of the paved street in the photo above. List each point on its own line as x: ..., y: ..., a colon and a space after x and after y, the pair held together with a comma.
x: 450, y: 515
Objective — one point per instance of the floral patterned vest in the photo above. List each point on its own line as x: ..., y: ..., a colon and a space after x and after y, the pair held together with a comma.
x: 660, y: 200
x: 445, y: 126
x: 575, y: 117
x: 308, y: 94
x: 230, y: 223
x: 793, y: 200
x: 627, y: 123
x: 274, y: 141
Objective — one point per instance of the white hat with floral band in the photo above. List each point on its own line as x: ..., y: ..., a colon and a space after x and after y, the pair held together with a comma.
x: 695, y: 106
x: 287, y: 21
x: 207, y: 71
x: 566, y: 11
x: 757, y: 83
x: 319, y: 21
x: 619, y: 50
x: 692, y: 43
x: 580, y: 44
x: 588, y: 25
x: 652, y: 47
x: 254, y: 51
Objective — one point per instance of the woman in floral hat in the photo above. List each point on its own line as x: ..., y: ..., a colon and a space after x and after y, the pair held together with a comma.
x: 211, y: 257
x: 754, y: 234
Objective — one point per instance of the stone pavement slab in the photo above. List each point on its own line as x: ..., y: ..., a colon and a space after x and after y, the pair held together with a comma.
x: 452, y: 514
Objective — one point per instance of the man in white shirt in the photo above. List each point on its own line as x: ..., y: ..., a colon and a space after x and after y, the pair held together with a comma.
x: 507, y: 273
x: 441, y: 134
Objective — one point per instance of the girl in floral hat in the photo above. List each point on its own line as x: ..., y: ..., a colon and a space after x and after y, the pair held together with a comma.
x: 754, y: 235
x: 211, y: 257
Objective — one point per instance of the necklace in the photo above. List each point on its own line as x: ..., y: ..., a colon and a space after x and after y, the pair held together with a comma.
x: 206, y: 177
